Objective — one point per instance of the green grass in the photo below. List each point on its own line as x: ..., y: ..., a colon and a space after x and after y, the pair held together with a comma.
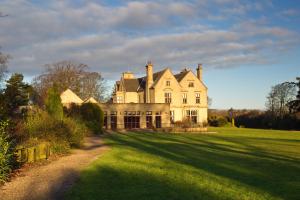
x: 231, y: 164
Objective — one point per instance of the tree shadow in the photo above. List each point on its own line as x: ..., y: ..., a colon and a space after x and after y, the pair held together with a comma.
x: 105, y: 182
x: 54, y: 188
x: 275, y: 174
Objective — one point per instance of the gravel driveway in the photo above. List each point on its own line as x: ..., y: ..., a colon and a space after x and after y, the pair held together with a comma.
x: 50, y: 181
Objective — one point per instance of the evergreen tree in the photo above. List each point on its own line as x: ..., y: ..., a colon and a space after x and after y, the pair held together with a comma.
x: 53, y: 103
x: 16, y: 93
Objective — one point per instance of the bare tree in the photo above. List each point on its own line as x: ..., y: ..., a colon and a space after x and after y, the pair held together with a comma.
x: 294, y: 105
x: 278, y: 98
x: 68, y: 74
x: 3, y: 65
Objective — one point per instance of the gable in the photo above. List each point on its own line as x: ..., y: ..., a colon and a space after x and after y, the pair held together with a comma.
x: 68, y: 96
x: 166, y: 75
x: 90, y: 100
x: 191, y: 77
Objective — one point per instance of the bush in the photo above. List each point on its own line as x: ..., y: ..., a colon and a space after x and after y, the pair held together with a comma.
x: 6, y: 152
x: 217, y: 121
x: 62, y: 134
x: 93, y: 117
x: 53, y: 104
x: 77, y: 131
x: 60, y: 147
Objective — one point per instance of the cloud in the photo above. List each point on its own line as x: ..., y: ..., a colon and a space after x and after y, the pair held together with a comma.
x: 290, y: 12
x: 111, y: 39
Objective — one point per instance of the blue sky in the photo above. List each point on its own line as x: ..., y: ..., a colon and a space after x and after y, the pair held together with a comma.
x: 245, y: 46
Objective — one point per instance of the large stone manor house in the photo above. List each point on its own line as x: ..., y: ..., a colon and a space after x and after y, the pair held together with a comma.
x: 156, y: 100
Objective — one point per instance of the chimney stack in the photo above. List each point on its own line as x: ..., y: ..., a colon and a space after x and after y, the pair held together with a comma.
x: 149, y: 80
x: 199, y: 72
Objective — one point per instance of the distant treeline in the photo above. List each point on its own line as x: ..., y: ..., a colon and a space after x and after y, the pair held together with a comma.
x: 282, y: 111
x: 254, y: 119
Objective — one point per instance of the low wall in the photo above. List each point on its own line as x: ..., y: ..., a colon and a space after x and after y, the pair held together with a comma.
x: 32, y: 154
x: 183, y: 130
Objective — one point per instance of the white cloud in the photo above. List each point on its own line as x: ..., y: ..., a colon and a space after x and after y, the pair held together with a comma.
x: 114, y: 39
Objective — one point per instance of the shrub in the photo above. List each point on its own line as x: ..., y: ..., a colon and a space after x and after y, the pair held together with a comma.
x: 93, y: 117
x: 6, y: 152
x: 39, y: 124
x: 217, y: 121
x: 77, y: 130
x: 60, y: 147
x: 61, y: 134
x: 53, y: 104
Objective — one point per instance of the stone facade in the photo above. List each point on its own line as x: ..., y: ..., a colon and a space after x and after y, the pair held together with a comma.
x: 184, y: 92
x: 136, y: 115
x: 126, y: 116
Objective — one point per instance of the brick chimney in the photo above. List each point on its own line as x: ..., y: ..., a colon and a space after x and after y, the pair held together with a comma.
x: 149, y: 80
x: 199, y: 72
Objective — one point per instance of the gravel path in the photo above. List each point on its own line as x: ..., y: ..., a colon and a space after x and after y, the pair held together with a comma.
x: 50, y: 181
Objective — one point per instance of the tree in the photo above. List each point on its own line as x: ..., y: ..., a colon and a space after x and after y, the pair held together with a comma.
x: 93, y: 117
x: 53, y: 103
x: 278, y: 98
x: 209, y: 101
x: 3, y: 66
x: 16, y: 93
x: 67, y: 74
x: 294, y: 105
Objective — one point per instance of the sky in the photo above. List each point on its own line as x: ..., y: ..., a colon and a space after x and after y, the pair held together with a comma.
x: 245, y: 46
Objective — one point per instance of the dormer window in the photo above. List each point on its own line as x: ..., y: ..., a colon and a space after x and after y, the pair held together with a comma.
x: 191, y: 84
x: 168, y: 83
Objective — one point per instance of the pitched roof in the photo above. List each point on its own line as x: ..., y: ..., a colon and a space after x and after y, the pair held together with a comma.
x: 139, y: 84
x: 68, y: 96
x: 157, y: 75
x: 90, y: 100
x: 181, y: 75
x: 131, y: 85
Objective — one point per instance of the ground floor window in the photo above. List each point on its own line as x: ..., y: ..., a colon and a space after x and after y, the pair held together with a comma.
x: 172, y: 117
x: 149, y: 119
x: 192, y: 115
x: 113, y: 120
x: 158, y: 121
x: 105, y: 120
x: 131, y: 122
x: 131, y: 119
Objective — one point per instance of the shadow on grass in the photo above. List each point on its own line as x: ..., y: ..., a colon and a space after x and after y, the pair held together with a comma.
x: 108, y: 183
x: 278, y: 175
x: 237, y: 160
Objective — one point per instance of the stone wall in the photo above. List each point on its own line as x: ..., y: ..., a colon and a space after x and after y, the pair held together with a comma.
x: 119, y: 110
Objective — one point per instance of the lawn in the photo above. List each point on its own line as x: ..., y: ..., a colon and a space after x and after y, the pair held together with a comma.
x: 230, y: 164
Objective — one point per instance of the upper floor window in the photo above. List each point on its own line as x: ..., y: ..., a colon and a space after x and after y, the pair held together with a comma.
x: 168, y: 83
x: 168, y: 97
x: 198, y: 98
x: 184, y: 98
x: 119, y: 99
x: 191, y: 84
